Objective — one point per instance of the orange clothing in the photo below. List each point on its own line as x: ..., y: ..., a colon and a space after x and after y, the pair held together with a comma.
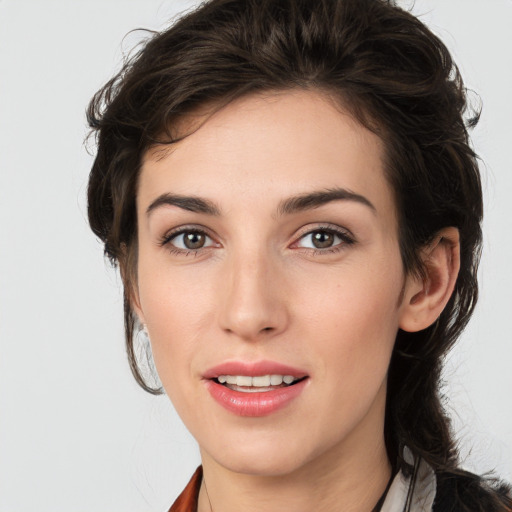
x: 449, y: 491
x: 187, y: 500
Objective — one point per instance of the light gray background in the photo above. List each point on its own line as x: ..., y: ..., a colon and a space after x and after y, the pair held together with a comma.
x: 76, y: 434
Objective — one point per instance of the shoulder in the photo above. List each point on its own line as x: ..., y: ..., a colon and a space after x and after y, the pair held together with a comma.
x: 461, y: 491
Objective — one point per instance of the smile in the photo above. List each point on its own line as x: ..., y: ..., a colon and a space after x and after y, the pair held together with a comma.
x: 254, y: 389
x: 260, y: 383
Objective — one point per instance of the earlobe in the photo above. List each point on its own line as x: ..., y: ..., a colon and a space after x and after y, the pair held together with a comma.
x: 425, y: 298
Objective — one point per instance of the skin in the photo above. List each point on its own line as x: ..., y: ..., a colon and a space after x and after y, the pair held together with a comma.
x: 260, y: 289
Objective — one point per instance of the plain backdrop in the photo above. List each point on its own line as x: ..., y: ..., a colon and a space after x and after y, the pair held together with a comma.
x: 76, y: 433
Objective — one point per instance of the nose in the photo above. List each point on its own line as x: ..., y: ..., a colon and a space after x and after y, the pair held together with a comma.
x: 253, y: 304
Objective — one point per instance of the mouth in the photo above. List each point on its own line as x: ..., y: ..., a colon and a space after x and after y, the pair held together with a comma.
x: 255, y: 389
x: 257, y: 383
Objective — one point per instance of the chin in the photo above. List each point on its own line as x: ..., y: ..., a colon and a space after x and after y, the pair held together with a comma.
x: 266, y: 457
x: 264, y: 465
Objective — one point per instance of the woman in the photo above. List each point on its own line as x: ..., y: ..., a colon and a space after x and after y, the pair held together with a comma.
x: 289, y: 191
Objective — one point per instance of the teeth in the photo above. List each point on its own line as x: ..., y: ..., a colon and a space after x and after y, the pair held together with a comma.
x: 263, y: 381
x: 276, y: 380
x: 260, y: 381
x: 243, y: 380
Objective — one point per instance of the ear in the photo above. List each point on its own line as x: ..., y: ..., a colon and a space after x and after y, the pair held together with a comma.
x: 425, y: 298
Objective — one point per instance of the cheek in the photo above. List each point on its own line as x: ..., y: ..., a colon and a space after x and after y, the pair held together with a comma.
x: 353, y: 316
x: 350, y: 327
x: 177, y: 308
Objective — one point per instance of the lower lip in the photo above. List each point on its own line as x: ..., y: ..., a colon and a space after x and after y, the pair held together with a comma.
x: 254, y: 404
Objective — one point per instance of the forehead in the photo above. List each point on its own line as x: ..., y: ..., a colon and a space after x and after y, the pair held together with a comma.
x: 269, y: 146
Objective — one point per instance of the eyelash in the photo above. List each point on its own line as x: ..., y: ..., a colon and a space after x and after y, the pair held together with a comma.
x: 346, y: 238
x: 344, y: 235
x: 166, y: 240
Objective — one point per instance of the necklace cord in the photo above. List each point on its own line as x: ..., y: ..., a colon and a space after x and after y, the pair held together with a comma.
x: 207, y: 494
x: 377, y: 507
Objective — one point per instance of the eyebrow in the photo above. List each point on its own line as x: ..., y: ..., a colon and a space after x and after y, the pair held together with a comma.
x: 189, y: 203
x: 312, y: 200
x: 302, y: 202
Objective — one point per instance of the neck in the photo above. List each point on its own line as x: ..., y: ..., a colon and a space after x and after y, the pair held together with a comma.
x: 350, y: 476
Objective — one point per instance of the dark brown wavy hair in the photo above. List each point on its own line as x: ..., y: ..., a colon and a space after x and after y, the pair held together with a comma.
x: 392, y: 74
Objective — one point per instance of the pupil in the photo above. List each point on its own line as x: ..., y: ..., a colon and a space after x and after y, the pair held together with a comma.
x: 322, y: 239
x: 194, y: 240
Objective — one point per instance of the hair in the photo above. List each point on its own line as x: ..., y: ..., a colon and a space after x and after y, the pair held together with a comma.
x: 383, y: 66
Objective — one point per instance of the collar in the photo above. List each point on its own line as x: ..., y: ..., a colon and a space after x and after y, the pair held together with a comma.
x: 413, y: 493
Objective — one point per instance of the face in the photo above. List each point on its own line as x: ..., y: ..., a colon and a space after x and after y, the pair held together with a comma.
x: 269, y: 277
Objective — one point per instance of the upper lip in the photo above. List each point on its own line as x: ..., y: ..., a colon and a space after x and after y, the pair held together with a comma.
x: 253, y: 369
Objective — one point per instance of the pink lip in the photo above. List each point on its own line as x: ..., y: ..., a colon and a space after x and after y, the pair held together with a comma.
x: 258, y: 403
x: 253, y: 369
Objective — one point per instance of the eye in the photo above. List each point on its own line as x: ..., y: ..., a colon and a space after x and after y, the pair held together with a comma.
x: 189, y: 240
x: 324, y: 238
